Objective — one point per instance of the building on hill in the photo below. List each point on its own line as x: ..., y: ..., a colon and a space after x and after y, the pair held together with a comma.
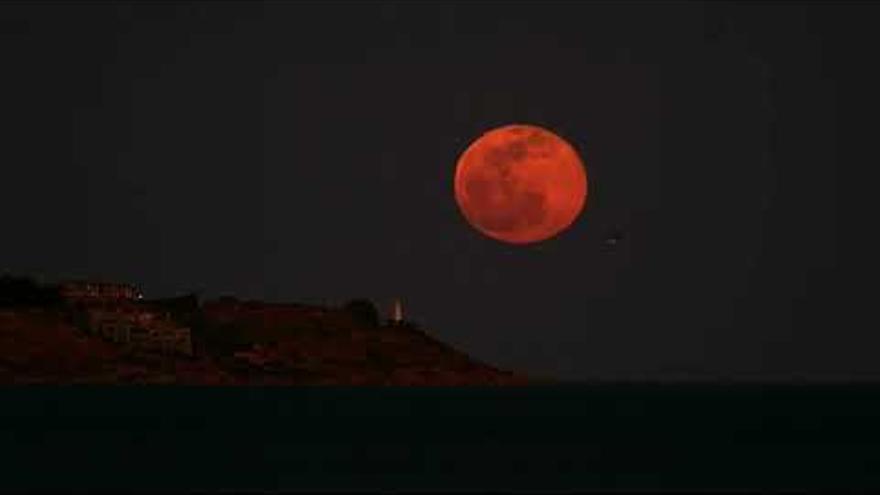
x: 79, y: 291
x: 396, y: 318
x: 141, y: 329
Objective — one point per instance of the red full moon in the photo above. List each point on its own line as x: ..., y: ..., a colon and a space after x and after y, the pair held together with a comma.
x: 520, y: 184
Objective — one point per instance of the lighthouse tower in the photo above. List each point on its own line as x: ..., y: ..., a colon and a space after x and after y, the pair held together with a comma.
x: 397, y: 313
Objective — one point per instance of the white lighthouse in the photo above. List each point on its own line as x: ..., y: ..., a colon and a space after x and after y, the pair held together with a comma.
x: 397, y: 313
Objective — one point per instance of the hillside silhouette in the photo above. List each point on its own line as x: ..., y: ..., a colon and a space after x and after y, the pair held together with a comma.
x: 46, y: 337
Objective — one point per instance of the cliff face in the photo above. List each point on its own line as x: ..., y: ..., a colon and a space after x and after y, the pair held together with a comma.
x: 241, y: 343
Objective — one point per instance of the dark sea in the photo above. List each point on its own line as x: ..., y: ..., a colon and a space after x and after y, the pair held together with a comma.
x: 537, y: 439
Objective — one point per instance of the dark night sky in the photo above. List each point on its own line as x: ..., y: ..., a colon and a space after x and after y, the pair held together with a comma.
x: 305, y: 152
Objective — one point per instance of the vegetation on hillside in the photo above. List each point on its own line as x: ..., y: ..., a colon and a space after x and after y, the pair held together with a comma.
x: 18, y: 292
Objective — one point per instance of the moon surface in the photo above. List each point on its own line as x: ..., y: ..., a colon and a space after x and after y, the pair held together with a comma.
x: 520, y: 184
